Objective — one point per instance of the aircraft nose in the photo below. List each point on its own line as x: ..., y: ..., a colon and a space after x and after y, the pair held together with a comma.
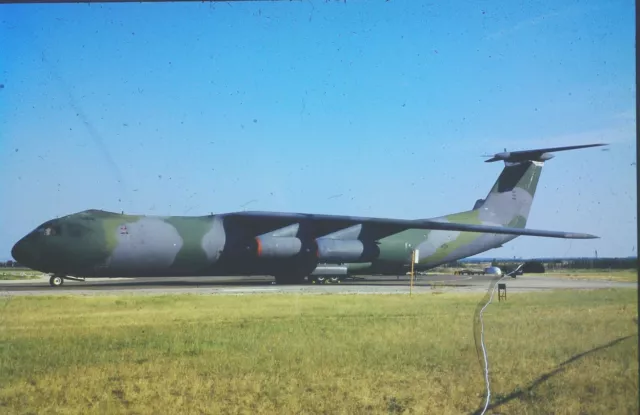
x: 21, y: 252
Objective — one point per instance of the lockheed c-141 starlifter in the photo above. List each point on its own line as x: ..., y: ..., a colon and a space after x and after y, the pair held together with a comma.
x: 292, y: 247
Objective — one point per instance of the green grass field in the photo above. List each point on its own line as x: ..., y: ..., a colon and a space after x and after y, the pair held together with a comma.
x: 561, y: 353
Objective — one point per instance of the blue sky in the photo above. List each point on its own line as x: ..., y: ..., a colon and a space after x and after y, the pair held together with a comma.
x: 362, y: 108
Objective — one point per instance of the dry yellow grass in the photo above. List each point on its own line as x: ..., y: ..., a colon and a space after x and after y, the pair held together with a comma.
x: 318, y: 354
x: 625, y: 275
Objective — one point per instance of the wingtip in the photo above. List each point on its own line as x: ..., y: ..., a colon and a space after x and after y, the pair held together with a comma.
x: 582, y: 236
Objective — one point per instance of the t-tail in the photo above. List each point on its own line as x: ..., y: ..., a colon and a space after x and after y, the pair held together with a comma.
x: 509, y: 200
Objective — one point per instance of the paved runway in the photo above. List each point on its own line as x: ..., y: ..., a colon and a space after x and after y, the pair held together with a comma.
x: 246, y: 285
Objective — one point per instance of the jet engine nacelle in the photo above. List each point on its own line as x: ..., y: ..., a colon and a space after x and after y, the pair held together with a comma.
x: 341, y: 251
x: 286, y: 257
x: 280, y: 247
x: 322, y: 249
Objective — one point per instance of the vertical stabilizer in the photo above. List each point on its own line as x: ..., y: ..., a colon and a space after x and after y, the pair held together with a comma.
x: 509, y: 200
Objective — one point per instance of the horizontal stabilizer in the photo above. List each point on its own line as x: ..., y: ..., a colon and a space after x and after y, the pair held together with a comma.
x: 541, y: 154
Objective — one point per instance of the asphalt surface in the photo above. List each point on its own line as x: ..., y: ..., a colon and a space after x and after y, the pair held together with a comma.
x: 247, y: 285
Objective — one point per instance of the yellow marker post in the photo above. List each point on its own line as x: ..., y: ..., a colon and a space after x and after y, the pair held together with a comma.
x: 415, y: 257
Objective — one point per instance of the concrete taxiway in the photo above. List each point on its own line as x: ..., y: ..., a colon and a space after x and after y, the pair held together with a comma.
x: 247, y: 285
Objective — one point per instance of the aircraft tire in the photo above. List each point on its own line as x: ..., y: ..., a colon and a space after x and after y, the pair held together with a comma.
x: 56, y: 281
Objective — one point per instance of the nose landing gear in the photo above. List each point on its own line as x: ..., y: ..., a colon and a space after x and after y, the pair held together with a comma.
x: 56, y: 281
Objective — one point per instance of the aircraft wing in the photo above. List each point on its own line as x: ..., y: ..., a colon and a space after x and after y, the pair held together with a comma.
x: 502, y: 230
x: 321, y: 225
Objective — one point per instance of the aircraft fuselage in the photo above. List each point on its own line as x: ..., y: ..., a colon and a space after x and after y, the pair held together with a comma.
x: 104, y: 244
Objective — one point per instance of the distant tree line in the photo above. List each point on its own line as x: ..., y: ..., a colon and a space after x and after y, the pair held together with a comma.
x: 573, y: 263
x: 10, y: 264
x: 593, y: 263
x: 540, y: 265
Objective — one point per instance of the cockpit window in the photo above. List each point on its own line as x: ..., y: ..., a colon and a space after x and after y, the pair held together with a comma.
x: 71, y: 229
x: 49, y: 230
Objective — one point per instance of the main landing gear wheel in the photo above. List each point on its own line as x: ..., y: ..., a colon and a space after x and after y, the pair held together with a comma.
x: 326, y: 280
x: 56, y: 281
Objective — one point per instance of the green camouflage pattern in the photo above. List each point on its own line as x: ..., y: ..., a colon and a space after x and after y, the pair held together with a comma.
x: 96, y: 243
x: 508, y: 203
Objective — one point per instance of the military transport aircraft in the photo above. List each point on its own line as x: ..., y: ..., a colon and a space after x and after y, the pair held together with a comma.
x: 292, y: 247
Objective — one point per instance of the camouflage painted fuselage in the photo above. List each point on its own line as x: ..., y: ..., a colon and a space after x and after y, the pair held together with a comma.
x: 96, y: 243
